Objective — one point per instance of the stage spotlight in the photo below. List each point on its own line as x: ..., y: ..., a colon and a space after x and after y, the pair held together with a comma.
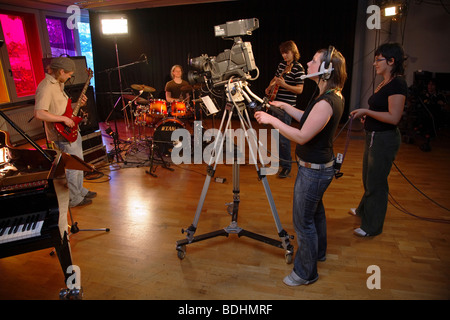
x: 393, y: 9
x: 390, y: 11
x: 112, y: 26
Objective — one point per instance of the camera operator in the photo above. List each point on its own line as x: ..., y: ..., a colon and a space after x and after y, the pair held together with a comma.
x: 314, y: 138
x: 285, y: 87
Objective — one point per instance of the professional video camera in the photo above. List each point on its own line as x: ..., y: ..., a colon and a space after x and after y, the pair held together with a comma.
x: 238, y: 61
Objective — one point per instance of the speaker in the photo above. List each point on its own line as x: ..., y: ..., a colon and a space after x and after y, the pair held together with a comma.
x: 327, y: 66
x: 80, y: 75
x: 74, y: 93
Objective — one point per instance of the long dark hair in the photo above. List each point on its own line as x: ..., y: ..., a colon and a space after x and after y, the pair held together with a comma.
x: 393, y: 51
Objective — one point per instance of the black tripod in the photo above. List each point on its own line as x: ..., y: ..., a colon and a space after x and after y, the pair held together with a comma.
x: 155, y: 150
x: 233, y: 228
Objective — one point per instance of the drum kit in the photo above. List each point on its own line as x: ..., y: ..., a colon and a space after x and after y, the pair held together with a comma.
x: 156, y: 113
x: 156, y: 119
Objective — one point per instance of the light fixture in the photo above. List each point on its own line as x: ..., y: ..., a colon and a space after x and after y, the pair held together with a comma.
x: 393, y: 8
x: 113, y: 26
x: 390, y: 11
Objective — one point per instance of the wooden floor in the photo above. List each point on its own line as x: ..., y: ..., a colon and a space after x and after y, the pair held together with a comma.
x: 138, y: 260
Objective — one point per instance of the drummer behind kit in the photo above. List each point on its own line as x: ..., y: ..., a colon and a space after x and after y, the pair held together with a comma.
x: 162, y: 118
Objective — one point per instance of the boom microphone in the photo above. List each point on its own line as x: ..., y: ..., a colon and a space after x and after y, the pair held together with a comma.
x: 326, y: 71
x: 306, y: 76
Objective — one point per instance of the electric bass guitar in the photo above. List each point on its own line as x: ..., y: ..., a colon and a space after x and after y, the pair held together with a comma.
x: 273, y: 93
x: 71, y: 134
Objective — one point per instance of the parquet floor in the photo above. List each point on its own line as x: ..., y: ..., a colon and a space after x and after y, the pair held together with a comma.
x: 137, y: 259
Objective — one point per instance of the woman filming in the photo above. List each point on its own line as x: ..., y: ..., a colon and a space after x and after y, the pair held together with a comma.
x: 314, y: 138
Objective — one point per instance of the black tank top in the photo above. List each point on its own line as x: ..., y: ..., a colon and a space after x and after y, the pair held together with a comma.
x: 320, y: 148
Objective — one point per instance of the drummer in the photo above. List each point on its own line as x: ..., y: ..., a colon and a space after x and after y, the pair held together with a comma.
x: 174, y: 91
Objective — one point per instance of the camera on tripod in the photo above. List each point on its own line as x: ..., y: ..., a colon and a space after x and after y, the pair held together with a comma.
x: 237, y: 61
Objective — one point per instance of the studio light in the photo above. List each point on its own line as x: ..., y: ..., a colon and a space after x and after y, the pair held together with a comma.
x: 393, y: 9
x: 390, y: 11
x: 114, y: 26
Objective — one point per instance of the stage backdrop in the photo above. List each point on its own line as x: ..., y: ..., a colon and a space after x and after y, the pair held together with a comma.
x: 169, y: 35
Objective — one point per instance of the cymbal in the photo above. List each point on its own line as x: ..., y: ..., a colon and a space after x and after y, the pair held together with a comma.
x: 138, y: 100
x: 140, y: 87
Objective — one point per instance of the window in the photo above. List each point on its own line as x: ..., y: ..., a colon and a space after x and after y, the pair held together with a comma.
x: 84, y: 32
x: 19, y: 55
x: 61, y: 38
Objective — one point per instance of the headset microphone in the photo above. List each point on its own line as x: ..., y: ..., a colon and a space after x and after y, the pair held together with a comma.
x: 325, y: 68
x: 306, y: 76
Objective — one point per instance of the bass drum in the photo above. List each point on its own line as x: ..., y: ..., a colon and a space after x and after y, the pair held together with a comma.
x: 162, y: 137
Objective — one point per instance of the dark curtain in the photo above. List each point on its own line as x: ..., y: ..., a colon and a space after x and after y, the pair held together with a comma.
x: 169, y: 35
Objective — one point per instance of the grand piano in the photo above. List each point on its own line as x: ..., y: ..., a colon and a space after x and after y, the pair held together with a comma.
x: 34, y: 202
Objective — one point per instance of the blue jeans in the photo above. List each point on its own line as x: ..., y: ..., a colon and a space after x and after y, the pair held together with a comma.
x: 285, y: 144
x: 74, y: 178
x: 309, y: 219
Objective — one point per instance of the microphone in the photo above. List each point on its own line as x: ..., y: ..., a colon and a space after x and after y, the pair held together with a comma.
x: 326, y: 71
x: 146, y: 60
x: 306, y: 76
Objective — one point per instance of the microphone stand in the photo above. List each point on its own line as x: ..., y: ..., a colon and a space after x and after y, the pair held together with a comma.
x: 115, y: 135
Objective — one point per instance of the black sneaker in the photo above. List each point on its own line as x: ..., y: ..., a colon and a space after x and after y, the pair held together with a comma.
x: 284, y: 173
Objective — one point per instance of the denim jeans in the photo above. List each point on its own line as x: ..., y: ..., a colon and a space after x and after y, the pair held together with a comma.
x: 74, y: 177
x: 309, y: 219
x: 379, y: 153
x: 285, y: 144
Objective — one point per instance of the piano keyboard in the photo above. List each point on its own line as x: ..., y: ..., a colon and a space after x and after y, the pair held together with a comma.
x: 21, y: 227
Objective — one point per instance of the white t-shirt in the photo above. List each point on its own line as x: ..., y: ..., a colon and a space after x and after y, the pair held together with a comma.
x: 50, y: 96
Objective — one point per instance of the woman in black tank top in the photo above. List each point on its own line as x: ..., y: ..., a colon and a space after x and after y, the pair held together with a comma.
x: 314, y: 139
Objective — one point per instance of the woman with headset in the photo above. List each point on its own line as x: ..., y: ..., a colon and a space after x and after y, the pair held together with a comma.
x: 314, y: 138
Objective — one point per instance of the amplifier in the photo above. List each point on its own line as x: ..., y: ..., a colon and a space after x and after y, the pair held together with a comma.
x: 93, y: 149
x: 95, y: 155
x: 92, y: 140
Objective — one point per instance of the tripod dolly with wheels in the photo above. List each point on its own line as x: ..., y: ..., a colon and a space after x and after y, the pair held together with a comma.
x: 233, y: 228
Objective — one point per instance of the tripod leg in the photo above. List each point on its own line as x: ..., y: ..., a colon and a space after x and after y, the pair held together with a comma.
x: 190, y: 231
x: 281, y: 232
x: 165, y: 165
x: 150, y: 170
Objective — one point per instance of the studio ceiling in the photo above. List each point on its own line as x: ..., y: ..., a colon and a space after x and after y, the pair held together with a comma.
x: 102, y: 5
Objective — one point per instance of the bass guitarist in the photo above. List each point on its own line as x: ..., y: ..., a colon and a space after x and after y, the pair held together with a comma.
x: 286, y: 86
x: 51, y: 103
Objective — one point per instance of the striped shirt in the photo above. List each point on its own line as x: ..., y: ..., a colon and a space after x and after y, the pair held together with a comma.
x: 292, y: 79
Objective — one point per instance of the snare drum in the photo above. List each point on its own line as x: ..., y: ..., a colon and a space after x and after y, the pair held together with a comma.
x: 158, y: 108
x: 178, y: 109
